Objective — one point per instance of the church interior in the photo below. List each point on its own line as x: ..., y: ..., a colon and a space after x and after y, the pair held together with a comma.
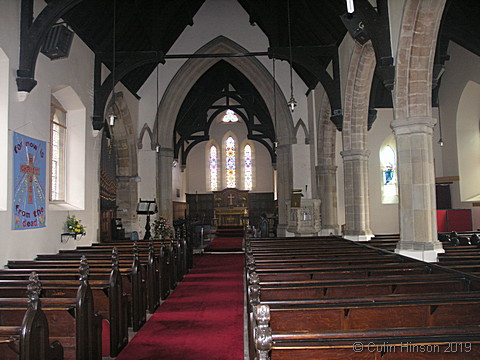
x: 317, y: 161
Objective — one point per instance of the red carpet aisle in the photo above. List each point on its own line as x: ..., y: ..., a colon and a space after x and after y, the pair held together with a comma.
x: 225, y: 244
x: 201, y: 320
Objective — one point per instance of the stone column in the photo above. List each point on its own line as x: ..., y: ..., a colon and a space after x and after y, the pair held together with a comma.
x: 164, y: 183
x: 416, y: 177
x: 327, y: 190
x: 127, y: 198
x: 284, y: 185
x: 357, y: 211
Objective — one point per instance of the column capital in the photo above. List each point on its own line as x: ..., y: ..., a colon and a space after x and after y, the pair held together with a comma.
x: 165, y: 152
x: 355, y: 154
x: 326, y: 169
x: 414, y: 125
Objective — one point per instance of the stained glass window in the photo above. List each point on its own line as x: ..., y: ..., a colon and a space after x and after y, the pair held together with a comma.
x: 389, y: 175
x: 230, y: 162
x: 248, y: 172
x: 213, y: 168
x: 230, y: 117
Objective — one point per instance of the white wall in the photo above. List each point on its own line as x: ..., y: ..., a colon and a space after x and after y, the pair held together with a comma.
x: 460, y: 70
x: 384, y: 218
x: 32, y: 118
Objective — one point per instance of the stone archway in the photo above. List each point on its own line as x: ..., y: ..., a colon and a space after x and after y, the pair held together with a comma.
x: 413, y: 128
x: 355, y: 153
x: 178, y: 89
x: 124, y: 141
x: 326, y: 170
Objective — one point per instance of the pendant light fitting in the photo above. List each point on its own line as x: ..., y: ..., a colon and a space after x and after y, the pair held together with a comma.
x: 292, y: 103
x: 112, y: 117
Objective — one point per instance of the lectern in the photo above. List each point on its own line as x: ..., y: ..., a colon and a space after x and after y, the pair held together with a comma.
x: 147, y: 207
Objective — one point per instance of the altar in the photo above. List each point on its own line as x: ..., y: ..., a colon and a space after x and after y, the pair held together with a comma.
x: 231, y: 207
x: 231, y: 217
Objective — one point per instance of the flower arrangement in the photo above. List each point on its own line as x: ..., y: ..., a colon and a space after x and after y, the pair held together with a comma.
x: 74, y: 225
x: 161, y: 228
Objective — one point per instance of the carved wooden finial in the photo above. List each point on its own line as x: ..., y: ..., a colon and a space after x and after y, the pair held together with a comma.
x: 135, y: 248
x: 253, y: 278
x: 254, y: 294
x: 34, y: 288
x: 263, y: 332
x: 114, y: 257
x: 84, y: 268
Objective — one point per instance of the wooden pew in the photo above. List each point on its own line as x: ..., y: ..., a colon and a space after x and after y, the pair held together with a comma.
x: 157, y: 259
x: 307, y: 311
x: 29, y: 339
x: 72, y: 321
x: 135, y: 291
x: 109, y: 299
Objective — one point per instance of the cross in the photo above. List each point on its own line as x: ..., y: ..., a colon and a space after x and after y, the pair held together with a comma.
x: 30, y: 170
x: 231, y: 197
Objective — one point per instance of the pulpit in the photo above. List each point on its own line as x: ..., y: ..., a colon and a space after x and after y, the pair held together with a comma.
x: 231, y: 208
x: 304, y: 218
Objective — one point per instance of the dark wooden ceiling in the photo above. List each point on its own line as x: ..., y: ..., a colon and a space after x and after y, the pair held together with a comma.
x: 155, y: 25
x: 146, y: 26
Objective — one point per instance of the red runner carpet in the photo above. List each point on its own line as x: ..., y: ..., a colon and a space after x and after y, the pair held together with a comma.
x: 225, y: 244
x: 201, y: 320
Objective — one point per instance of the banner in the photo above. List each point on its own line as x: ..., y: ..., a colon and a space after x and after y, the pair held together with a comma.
x: 29, y: 178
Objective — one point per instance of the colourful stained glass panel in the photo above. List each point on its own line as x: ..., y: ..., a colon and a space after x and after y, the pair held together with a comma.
x: 230, y: 162
x: 230, y: 117
x: 213, y: 168
x: 247, y: 154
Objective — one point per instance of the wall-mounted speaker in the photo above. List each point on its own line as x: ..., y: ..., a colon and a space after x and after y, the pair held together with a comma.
x: 58, y: 42
x: 355, y: 27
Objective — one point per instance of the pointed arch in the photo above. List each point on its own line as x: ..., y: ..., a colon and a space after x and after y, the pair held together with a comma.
x: 230, y: 159
x: 213, y: 163
x: 262, y: 79
x: 145, y: 129
x: 301, y: 124
x: 248, y: 165
x: 124, y: 141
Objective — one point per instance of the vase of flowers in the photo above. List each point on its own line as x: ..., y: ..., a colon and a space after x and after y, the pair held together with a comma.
x: 161, y: 228
x: 74, y: 226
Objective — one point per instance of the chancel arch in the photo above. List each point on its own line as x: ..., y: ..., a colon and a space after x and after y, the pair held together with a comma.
x: 258, y: 75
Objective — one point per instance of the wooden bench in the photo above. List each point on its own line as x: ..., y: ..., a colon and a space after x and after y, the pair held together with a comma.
x: 72, y: 321
x: 109, y: 299
x: 135, y: 303
x: 435, y: 342
x: 29, y: 338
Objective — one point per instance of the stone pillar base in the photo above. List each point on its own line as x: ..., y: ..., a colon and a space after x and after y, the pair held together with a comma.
x: 282, y: 230
x: 330, y: 231
x: 424, y: 255
x: 363, y: 237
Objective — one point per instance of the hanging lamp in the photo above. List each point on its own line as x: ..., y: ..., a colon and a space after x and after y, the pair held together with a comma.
x: 440, y: 141
x: 292, y: 103
x: 275, y: 139
x: 350, y: 7
x: 111, y: 116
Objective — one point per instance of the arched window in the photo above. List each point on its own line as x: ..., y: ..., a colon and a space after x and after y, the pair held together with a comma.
x: 58, y: 129
x: 230, y: 162
x: 247, y: 167
x: 388, y: 161
x: 213, y: 168
x: 4, y: 153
